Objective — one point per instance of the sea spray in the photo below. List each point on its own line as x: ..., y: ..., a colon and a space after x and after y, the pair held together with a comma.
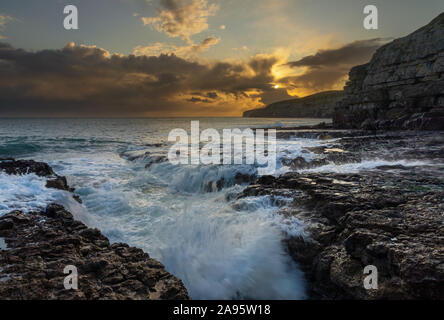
x: 26, y: 193
x: 220, y: 246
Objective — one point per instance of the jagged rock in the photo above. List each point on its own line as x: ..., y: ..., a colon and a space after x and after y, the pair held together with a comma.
x: 391, y: 217
x: 41, y: 244
x: 11, y: 166
x: 41, y: 169
x: 401, y: 88
x: 59, y: 183
x: 239, y: 178
x: 155, y: 159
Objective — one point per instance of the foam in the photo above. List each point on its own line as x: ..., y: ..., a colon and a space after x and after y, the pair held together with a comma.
x: 25, y: 193
x: 364, y: 165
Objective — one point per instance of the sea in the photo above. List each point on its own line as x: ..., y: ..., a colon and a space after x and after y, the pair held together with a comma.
x: 219, y: 245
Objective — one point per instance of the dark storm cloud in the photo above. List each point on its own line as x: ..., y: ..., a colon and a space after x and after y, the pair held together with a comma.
x: 204, y: 97
x: 351, y: 54
x: 88, y: 80
x: 317, y: 79
x: 328, y: 67
x: 200, y: 100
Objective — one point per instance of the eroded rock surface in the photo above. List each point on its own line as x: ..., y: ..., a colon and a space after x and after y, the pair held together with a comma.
x: 39, y: 245
x: 391, y: 217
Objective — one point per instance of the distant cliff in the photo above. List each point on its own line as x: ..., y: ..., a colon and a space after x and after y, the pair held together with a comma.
x: 401, y: 88
x: 320, y: 105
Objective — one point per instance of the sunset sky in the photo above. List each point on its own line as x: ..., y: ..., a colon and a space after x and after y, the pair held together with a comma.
x: 186, y: 57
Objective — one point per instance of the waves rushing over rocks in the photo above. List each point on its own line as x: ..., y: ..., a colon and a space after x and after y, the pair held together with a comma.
x: 41, y: 238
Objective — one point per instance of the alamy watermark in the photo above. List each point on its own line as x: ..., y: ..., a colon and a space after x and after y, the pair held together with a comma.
x: 71, y: 281
x: 371, y: 280
x: 233, y: 146
x: 371, y: 20
x: 71, y: 21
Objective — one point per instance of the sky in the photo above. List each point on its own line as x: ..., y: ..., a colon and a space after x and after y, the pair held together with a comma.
x: 186, y: 57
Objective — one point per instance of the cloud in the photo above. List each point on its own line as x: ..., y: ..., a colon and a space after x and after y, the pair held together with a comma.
x: 162, y: 80
x: 182, y: 51
x: 351, y: 54
x: 315, y: 80
x: 4, y: 19
x: 328, y: 69
x: 86, y: 80
x: 182, y: 18
x: 222, y: 27
x: 243, y: 48
x: 208, y: 97
x: 206, y: 44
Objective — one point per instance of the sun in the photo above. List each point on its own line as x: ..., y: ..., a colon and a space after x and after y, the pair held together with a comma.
x: 276, y: 86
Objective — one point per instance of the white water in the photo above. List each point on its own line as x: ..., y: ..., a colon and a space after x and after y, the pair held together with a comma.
x: 25, y: 193
x: 220, y: 248
x: 365, y: 165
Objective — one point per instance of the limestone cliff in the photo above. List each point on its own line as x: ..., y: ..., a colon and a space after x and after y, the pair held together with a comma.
x: 320, y: 105
x: 401, y: 88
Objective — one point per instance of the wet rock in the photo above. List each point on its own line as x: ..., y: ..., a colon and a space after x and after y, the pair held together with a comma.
x: 77, y: 198
x: 41, y: 244
x: 59, y: 183
x: 239, y: 178
x: 155, y: 159
x: 242, y: 178
x: 368, y: 222
x: 44, y: 243
x: 12, y: 166
x: 392, y: 218
x: 6, y: 224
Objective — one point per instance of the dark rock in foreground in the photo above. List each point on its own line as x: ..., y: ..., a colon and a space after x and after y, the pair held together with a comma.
x: 41, y: 244
x: 12, y: 166
x: 41, y: 169
x: 401, y: 88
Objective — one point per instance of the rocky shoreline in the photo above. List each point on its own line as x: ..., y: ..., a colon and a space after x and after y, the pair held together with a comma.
x: 391, y: 217
x: 36, y: 247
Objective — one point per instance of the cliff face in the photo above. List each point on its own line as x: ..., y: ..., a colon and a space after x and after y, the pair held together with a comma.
x: 320, y: 105
x: 401, y: 88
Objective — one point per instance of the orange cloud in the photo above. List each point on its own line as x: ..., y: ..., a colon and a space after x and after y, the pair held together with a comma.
x: 182, y: 18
